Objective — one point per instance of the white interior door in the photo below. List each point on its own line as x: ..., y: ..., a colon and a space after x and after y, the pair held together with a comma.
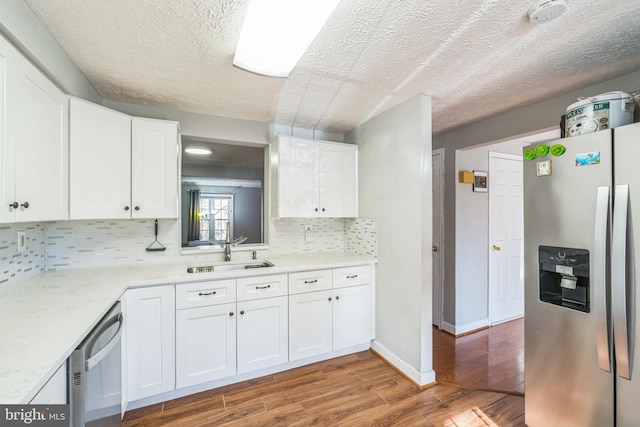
x: 506, y: 281
x: 437, y: 168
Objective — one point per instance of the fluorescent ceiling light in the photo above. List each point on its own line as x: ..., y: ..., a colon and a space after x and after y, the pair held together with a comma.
x: 201, y: 151
x: 276, y: 33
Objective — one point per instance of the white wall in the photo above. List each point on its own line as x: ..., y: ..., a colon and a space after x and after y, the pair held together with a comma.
x: 395, y: 189
x: 472, y: 236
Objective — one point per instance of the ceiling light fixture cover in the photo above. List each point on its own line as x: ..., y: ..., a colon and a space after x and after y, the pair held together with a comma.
x: 276, y: 33
x: 546, y: 10
x: 201, y: 151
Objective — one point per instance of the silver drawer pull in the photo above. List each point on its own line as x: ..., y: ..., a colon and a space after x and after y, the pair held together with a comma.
x: 352, y: 277
x: 263, y: 287
x: 307, y: 282
x: 204, y: 294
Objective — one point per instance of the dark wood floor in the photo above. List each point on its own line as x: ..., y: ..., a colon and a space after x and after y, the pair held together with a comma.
x: 354, y: 390
x: 490, y: 359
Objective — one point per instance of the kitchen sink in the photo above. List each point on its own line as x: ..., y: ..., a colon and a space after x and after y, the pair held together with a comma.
x: 229, y: 266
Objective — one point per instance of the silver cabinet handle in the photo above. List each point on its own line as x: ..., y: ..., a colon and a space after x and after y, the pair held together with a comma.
x: 308, y: 282
x: 601, y: 236
x: 263, y: 287
x: 14, y: 205
x: 352, y: 277
x: 619, y: 282
x: 204, y: 294
x: 25, y: 205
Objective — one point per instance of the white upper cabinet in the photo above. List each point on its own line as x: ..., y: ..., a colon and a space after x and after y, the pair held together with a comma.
x: 121, y: 167
x: 100, y: 158
x: 313, y: 178
x: 34, y: 142
x: 154, y: 168
x: 338, y: 182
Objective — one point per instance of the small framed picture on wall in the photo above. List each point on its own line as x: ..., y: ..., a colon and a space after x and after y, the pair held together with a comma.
x: 480, y: 181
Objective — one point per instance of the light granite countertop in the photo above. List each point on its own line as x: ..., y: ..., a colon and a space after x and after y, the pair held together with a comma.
x: 43, y: 319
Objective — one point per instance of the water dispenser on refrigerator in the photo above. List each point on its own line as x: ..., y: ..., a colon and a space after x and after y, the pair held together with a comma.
x: 564, y: 277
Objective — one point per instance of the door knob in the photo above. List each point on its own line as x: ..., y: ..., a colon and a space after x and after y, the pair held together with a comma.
x: 496, y: 248
x: 434, y: 248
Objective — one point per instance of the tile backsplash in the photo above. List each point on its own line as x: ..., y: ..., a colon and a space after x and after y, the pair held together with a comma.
x: 16, y: 265
x: 99, y: 243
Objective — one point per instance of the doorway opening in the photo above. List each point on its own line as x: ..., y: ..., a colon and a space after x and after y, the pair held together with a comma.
x: 469, y: 310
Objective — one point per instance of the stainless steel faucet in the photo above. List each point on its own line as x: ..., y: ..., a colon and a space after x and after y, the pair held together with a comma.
x: 228, y: 242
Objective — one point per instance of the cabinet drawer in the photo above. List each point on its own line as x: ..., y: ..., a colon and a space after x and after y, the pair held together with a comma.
x: 351, y: 276
x: 309, y: 281
x: 262, y: 287
x: 200, y: 294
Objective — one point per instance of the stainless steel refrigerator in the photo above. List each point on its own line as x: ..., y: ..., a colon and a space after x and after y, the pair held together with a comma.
x: 581, y: 325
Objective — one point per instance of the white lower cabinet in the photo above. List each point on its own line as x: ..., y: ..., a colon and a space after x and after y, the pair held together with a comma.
x: 351, y: 316
x: 205, y: 344
x: 54, y: 392
x: 310, y: 324
x: 212, y: 330
x: 329, y: 320
x: 262, y: 333
x: 150, y: 341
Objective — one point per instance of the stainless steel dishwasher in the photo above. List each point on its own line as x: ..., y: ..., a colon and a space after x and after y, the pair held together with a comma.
x: 95, y: 375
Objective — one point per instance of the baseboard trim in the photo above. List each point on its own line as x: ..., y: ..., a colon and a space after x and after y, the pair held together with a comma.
x: 467, y: 328
x: 421, y: 380
x: 509, y: 319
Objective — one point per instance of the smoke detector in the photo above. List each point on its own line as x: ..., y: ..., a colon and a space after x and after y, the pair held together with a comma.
x: 546, y: 10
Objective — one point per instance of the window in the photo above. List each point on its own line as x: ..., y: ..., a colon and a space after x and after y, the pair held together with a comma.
x: 216, y: 210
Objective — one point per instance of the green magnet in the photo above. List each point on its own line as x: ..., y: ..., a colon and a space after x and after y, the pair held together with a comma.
x: 529, y: 154
x: 557, y: 150
x: 542, y: 150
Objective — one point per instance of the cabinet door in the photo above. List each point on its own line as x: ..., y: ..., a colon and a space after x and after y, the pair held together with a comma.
x: 154, y: 168
x: 351, y: 316
x: 100, y: 162
x: 42, y: 148
x: 338, y: 180
x: 205, y: 344
x: 262, y: 333
x: 150, y: 334
x: 54, y: 392
x: 310, y: 324
x: 297, y: 178
x: 33, y: 142
x: 8, y: 102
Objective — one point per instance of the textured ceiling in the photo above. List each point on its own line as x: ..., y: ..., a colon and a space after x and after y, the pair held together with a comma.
x: 474, y: 57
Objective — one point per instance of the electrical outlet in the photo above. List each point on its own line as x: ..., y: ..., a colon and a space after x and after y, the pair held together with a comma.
x: 308, y: 233
x: 22, y: 240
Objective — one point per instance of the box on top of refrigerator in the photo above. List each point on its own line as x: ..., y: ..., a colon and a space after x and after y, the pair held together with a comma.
x: 605, y: 111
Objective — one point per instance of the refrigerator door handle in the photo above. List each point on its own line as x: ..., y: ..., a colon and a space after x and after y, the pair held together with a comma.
x: 601, y: 236
x: 619, y: 281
